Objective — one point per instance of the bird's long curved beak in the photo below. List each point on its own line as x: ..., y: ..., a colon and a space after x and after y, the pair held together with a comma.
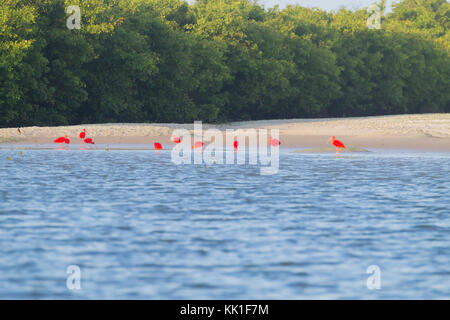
x: 328, y: 140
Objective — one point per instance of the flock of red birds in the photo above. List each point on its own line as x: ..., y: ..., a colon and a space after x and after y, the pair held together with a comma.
x: 198, y: 144
x: 66, y: 140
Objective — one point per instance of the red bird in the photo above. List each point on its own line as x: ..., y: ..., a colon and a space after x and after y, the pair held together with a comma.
x: 157, y: 146
x: 62, y: 140
x: 198, y: 144
x: 89, y: 141
x: 235, y: 144
x: 274, y: 142
x: 176, y: 139
x: 338, y: 144
x: 83, y: 134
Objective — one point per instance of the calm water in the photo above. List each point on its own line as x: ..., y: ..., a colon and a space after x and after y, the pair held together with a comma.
x: 139, y: 226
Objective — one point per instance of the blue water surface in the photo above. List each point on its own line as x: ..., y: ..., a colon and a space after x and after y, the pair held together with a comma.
x: 140, y: 227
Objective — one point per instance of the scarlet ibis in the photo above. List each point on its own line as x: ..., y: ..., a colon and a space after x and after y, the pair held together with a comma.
x: 176, y: 139
x: 338, y: 144
x: 274, y: 142
x: 83, y: 134
x: 197, y: 144
x: 157, y: 146
x: 235, y: 145
x: 89, y: 141
x: 62, y: 140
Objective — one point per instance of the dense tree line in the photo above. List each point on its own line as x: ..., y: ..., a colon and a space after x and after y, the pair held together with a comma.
x: 217, y: 60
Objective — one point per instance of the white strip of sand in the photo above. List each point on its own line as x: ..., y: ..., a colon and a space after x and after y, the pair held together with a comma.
x: 427, y: 132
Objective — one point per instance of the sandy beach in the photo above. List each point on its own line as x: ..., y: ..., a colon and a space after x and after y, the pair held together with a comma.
x: 427, y: 132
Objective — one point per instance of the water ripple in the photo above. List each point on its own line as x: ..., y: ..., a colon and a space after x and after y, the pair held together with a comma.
x: 141, y: 227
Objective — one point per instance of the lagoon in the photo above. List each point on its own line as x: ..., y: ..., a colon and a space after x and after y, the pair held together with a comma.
x: 140, y: 227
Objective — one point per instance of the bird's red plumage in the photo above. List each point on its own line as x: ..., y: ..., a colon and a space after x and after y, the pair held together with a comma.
x: 197, y: 144
x: 338, y: 144
x: 274, y: 142
x: 60, y: 140
x: 176, y: 140
x: 157, y: 146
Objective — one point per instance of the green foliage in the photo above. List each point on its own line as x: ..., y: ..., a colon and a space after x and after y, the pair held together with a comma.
x: 217, y: 60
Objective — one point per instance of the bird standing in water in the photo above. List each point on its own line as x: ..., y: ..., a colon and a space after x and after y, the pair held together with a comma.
x: 338, y: 144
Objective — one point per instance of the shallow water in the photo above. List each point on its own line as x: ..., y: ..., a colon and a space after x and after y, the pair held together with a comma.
x: 140, y: 227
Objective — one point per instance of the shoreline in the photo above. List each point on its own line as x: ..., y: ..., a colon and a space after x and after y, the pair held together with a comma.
x: 422, y: 132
